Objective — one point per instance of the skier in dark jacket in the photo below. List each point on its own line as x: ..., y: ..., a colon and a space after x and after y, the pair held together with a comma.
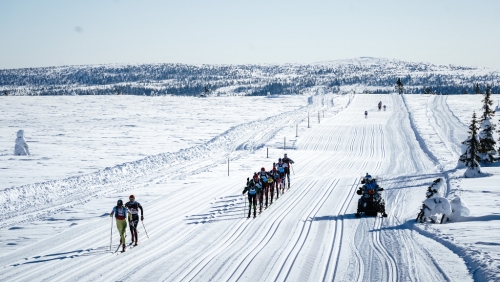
x: 134, y: 207
x: 252, y: 197
x: 288, y: 163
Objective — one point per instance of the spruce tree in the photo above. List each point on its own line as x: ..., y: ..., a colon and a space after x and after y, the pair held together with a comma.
x: 399, y: 86
x: 486, y: 140
x: 470, y: 157
x: 427, y: 90
x: 487, y: 104
x: 477, y: 90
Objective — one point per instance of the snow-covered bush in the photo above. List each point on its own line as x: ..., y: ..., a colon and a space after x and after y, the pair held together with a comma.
x: 434, y: 204
x: 21, y: 147
x: 458, y: 209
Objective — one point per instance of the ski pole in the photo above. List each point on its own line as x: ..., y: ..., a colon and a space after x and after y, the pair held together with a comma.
x: 292, y: 169
x: 111, y: 237
x: 144, y: 228
x: 245, y: 206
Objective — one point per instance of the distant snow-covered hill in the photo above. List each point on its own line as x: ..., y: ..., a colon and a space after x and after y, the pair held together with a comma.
x: 361, y: 75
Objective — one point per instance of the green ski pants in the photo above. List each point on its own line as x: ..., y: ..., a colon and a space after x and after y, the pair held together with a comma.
x: 122, y: 227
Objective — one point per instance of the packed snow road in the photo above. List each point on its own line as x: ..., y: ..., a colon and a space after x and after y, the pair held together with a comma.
x: 199, y: 230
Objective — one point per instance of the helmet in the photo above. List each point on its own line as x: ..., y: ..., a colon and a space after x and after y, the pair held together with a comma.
x: 263, y: 169
x: 279, y: 159
x: 368, y: 178
x: 131, y: 197
x: 119, y: 203
x: 285, y: 155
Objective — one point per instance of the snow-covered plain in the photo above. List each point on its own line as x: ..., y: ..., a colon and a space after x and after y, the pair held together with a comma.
x: 55, y: 223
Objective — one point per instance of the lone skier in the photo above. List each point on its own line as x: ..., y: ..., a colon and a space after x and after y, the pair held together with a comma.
x: 366, y: 114
x: 288, y: 163
x: 384, y: 108
x: 121, y: 213
x: 379, y: 105
x: 134, y: 207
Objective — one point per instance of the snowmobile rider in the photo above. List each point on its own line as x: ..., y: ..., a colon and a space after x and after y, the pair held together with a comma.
x: 121, y: 213
x: 288, y: 163
x: 134, y: 207
x: 370, y: 184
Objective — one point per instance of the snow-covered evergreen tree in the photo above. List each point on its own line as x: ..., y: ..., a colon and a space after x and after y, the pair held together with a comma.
x: 399, y: 86
x: 486, y: 141
x: 470, y: 155
x: 487, y: 104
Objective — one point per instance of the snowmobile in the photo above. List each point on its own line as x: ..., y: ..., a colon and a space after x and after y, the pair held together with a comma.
x: 370, y: 203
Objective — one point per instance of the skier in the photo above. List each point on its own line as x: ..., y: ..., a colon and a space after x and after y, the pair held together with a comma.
x: 384, y: 108
x: 252, y: 198
x: 379, y: 105
x: 134, y: 207
x: 270, y: 184
x: 277, y: 180
x: 366, y: 114
x: 280, y: 166
x: 288, y: 162
x: 258, y: 187
x: 263, y: 180
x: 121, y: 213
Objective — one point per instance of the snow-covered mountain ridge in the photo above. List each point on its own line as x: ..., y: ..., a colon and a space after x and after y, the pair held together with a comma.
x: 361, y: 75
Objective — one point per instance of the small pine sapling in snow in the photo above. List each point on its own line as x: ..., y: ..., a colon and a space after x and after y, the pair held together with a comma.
x: 470, y: 157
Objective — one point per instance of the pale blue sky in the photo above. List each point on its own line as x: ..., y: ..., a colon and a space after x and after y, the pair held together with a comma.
x: 51, y: 33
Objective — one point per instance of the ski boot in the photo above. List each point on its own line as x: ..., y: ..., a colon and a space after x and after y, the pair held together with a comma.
x: 249, y: 212
x: 123, y: 247
x: 136, y: 243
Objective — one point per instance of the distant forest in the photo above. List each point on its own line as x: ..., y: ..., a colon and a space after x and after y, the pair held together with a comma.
x: 362, y: 75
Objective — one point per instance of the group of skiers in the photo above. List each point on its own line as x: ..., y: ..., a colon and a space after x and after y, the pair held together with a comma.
x: 379, y: 107
x: 263, y: 184
x: 130, y: 211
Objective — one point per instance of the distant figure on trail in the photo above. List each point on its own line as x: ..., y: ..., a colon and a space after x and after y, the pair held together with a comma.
x: 379, y: 105
x: 384, y: 108
x: 366, y: 114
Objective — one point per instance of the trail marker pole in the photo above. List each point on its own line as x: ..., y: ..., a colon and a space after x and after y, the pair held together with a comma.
x: 268, y: 152
x: 318, y: 118
x: 307, y: 119
x: 296, y: 130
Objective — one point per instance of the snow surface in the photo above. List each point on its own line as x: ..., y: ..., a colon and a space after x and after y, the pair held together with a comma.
x: 55, y: 223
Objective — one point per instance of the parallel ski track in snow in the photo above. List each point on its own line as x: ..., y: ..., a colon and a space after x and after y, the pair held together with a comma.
x: 308, y: 234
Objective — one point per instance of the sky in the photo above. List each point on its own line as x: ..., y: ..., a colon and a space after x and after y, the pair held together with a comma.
x: 36, y: 33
